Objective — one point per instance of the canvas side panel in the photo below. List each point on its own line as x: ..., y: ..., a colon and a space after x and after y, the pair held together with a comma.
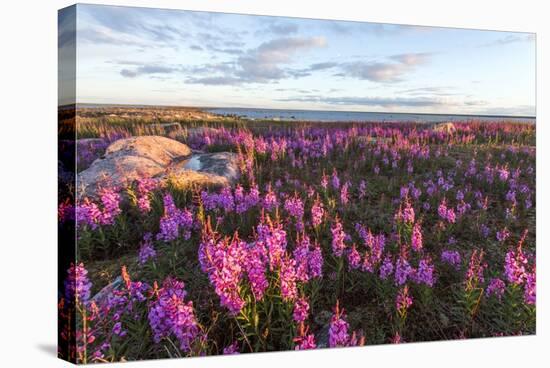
x: 66, y: 183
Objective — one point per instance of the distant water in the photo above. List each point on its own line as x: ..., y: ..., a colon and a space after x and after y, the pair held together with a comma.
x: 332, y: 116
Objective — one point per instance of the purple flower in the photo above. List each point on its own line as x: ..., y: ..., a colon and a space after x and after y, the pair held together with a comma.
x: 255, y: 265
x: 174, y: 219
x: 289, y: 290
x: 503, y: 234
x: 295, y: 208
x: 484, y: 229
x: 315, y: 262
x: 65, y: 211
x: 273, y: 237
x: 270, y: 201
x: 301, y: 310
x: 143, y: 190
x: 425, y: 273
x: 88, y: 213
x: 354, y: 258
x: 387, y: 268
x: 451, y: 257
x: 171, y: 315
x: 402, y: 271
x: 309, y: 259
x: 117, y: 329
x: 338, y: 334
x: 496, y: 288
x: 244, y: 202
x: 405, y: 214
x: 362, y: 189
x: 530, y: 294
x: 111, y: 206
x: 223, y: 260
x: 77, y: 285
x: 335, y: 180
x: 146, y: 250
x: 225, y: 200
x: 231, y: 349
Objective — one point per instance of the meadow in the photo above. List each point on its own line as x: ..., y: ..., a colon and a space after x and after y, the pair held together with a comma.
x: 335, y: 235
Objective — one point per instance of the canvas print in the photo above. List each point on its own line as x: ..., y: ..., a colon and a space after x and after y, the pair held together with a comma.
x: 234, y: 184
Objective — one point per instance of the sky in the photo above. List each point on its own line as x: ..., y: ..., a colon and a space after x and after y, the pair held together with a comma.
x: 128, y: 55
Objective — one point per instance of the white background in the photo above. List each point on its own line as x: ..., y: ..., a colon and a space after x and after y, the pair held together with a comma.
x: 28, y: 250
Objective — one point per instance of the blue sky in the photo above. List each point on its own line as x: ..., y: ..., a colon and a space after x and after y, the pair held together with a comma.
x: 173, y: 57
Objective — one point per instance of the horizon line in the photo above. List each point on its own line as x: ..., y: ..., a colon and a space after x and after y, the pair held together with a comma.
x: 311, y: 110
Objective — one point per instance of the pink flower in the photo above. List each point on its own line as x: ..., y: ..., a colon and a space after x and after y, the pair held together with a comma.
x: 317, y: 213
x: 304, y: 341
x: 416, y: 237
x: 354, y: 258
x: 289, y: 290
x: 338, y: 335
x: 338, y: 236
x: 403, y: 301
x: 301, y: 310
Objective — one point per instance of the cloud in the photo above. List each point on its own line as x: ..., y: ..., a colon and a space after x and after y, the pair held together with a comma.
x: 392, y: 69
x: 422, y: 91
x: 511, y: 38
x: 386, y: 102
x: 66, y: 27
x: 412, y: 59
x: 145, y: 69
x: 370, y: 101
x: 263, y: 64
x: 282, y: 28
x: 376, y: 29
x: 155, y: 28
x: 151, y: 26
x: 219, y: 43
x: 215, y: 81
x: 520, y: 110
x: 106, y: 36
x: 322, y: 66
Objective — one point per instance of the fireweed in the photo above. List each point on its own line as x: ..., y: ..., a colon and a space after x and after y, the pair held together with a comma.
x: 170, y: 314
x: 404, y: 214
x: 173, y: 220
x: 338, y: 333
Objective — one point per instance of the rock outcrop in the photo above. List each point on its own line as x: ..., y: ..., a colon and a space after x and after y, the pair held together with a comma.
x: 156, y: 157
x: 448, y: 128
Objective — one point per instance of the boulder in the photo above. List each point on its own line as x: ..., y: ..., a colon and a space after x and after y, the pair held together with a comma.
x: 448, y: 128
x: 201, y: 130
x: 211, y: 169
x: 103, y: 294
x: 156, y: 157
x: 160, y: 150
